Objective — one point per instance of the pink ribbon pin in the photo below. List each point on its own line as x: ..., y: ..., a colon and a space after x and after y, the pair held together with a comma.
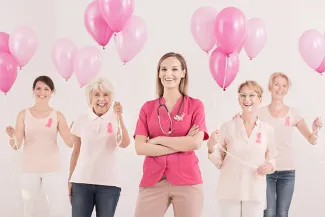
x: 287, y: 121
x: 49, y: 123
x: 258, y: 138
x: 109, y: 127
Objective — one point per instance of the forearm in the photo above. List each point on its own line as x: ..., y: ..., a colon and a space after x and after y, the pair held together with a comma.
x: 211, y: 145
x: 73, y: 163
x: 313, y: 138
x: 152, y: 150
x: 125, y: 134
x: 183, y: 143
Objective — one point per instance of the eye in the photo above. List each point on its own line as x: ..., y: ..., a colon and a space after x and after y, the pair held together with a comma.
x: 163, y: 70
x: 175, y: 69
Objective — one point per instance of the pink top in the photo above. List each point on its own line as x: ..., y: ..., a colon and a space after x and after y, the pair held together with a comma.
x: 179, y: 168
x: 283, y: 128
x: 239, y: 180
x: 96, y: 163
x: 41, y: 151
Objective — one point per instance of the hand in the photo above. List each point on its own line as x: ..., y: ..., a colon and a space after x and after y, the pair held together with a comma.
x: 118, y: 109
x: 152, y: 141
x: 236, y: 116
x: 70, y: 191
x: 194, y: 130
x: 214, y: 139
x: 10, y: 131
x: 264, y: 169
x: 317, y: 124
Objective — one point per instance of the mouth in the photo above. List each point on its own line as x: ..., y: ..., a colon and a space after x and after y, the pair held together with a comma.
x: 169, y: 79
x: 279, y: 93
x: 41, y: 97
x: 102, y: 105
x: 247, y: 105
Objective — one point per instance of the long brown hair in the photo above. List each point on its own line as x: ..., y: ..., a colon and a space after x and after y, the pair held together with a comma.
x: 183, y: 86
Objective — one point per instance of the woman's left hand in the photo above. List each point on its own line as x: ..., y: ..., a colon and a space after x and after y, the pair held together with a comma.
x: 317, y: 123
x: 264, y: 169
x: 118, y: 109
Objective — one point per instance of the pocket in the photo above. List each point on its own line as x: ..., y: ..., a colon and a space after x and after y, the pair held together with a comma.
x: 188, y: 164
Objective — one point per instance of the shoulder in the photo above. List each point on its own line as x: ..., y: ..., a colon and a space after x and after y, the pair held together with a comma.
x: 229, y: 123
x: 294, y: 110
x: 22, y: 113
x: 149, y: 105
x: 194, y: 102
x: 267, y: 127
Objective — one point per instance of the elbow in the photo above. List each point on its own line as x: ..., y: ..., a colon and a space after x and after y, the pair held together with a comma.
x: 125, y: 144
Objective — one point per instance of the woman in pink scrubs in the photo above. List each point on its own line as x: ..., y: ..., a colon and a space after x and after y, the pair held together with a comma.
x: 169, y: 130
x: 251, y: 151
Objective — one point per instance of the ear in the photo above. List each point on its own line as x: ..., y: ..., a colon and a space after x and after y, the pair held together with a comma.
x: 184, y: 73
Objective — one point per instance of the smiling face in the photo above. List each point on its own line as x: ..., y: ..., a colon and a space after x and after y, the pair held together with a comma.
x: 249, y: 97
x: 279, y: 87
x: 171, y: 73
x: 42, y: 92
x: 100, y: 101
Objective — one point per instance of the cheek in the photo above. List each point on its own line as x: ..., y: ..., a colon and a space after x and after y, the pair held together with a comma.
x: 108, y: 99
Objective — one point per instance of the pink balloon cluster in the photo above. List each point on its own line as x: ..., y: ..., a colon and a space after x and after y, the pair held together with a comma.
x: 16, y: 50
x: 229, y: 31
x: 312, y: 49
x: 103, y: 18
x: 85, y: 62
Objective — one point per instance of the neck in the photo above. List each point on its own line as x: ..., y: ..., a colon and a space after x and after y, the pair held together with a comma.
x: 249, y: 117
x: 41, y: 106
x: 276, y: 104
x: 171, y: 95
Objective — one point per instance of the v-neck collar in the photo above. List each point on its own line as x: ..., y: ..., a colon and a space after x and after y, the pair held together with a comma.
x: 242, y: 129
x: 176, y: 106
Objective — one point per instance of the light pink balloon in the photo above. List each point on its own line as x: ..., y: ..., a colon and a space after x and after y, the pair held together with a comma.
x: 223, y: 68
x: 87, y: 64
x: 256, y: 37
x: 230, y: 27
x: 96, y: 25
x: 8, y: 71
x: 312, y: 47
x: 202, y: 27
x: 63, y: 53
x: 116, y: 12
x: 23, y: 45
x: 4, y: 42
x: 131, y: 40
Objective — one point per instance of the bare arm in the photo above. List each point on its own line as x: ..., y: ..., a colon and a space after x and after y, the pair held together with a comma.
x: 125, y: 135
x: 64, y: 130
x: 305, y: 131
x: 75, y: 154
x: 17, y: 139
x: 148, y: 149
x: 182, y: 143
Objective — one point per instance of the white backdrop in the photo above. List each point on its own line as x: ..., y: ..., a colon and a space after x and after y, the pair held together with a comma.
x: 168, y: 25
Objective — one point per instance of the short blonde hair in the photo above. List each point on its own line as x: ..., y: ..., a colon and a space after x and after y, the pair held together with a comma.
x: 99, y: 83
x: 183, y: 86
x: 278, y: 74
x: 253, y: 85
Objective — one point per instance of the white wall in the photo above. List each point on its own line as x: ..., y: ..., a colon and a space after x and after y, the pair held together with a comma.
x: 168, y: 30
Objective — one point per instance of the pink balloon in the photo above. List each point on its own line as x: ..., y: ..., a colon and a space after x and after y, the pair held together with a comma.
x: 87, y: 64
x: 312, y: 47
x: 4, y: 42
x: 8, y: 71
x: 256, y: 37
x: 223, y: 68
x: 96, y: 25
x: 230, y: 27
x: 202, y: 27
x: 131, y: 40
x: 63, y: 53
x: 321, y: 67
x: 116, y: 12
x: 23, y: 45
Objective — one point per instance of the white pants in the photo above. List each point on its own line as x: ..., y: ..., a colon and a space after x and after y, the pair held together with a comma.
x: 53, y: 187
x: 236, y: 208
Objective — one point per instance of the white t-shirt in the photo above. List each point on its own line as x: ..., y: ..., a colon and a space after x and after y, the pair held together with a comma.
x: 97, y: 162
x: 283, y: 128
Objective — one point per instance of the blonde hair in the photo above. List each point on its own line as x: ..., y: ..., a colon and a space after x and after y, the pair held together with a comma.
x: 278, y: 74
x: 183, y: 86
x: 253, y: 85
x: 99, y: 83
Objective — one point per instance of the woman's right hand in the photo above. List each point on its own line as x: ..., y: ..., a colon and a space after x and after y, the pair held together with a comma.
x: 194, y: 130
x: 10, y: 131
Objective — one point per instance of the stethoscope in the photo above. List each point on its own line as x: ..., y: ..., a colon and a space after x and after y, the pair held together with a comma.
x: 177, y: 117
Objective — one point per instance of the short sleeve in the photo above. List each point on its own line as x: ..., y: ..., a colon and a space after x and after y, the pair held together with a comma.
x: 296, y: 116
x: 271, y: 151
x: 75, y: 130
x: 199, y: 119
x: 142, y: 124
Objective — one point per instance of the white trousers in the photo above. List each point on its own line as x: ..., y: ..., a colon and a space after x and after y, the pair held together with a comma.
x: 236, y: 208
x: 53, y: 187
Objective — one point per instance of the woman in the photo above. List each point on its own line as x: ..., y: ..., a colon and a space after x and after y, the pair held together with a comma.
x: 171, y: 174
x: 245, y: 154
x: 37, y: 128
x: 93, y: 176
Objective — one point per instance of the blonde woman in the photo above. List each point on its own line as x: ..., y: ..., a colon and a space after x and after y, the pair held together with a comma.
x: 94, y: 179
x: 244, y: 151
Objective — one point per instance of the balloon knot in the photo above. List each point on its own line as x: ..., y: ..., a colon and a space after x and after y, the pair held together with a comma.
x: 224, y: 89
x: 103, y: 47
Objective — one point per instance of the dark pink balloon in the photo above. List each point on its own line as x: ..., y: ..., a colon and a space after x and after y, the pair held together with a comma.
x: 8, y: 71
x: 4, y: 42
x: 223, y: 68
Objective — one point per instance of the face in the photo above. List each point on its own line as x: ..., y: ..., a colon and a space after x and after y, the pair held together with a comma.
x: 42, y: 92
x: 280, y: 87
x: 171, y: 73
x: 248, y: 99
x: 100, y: 101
